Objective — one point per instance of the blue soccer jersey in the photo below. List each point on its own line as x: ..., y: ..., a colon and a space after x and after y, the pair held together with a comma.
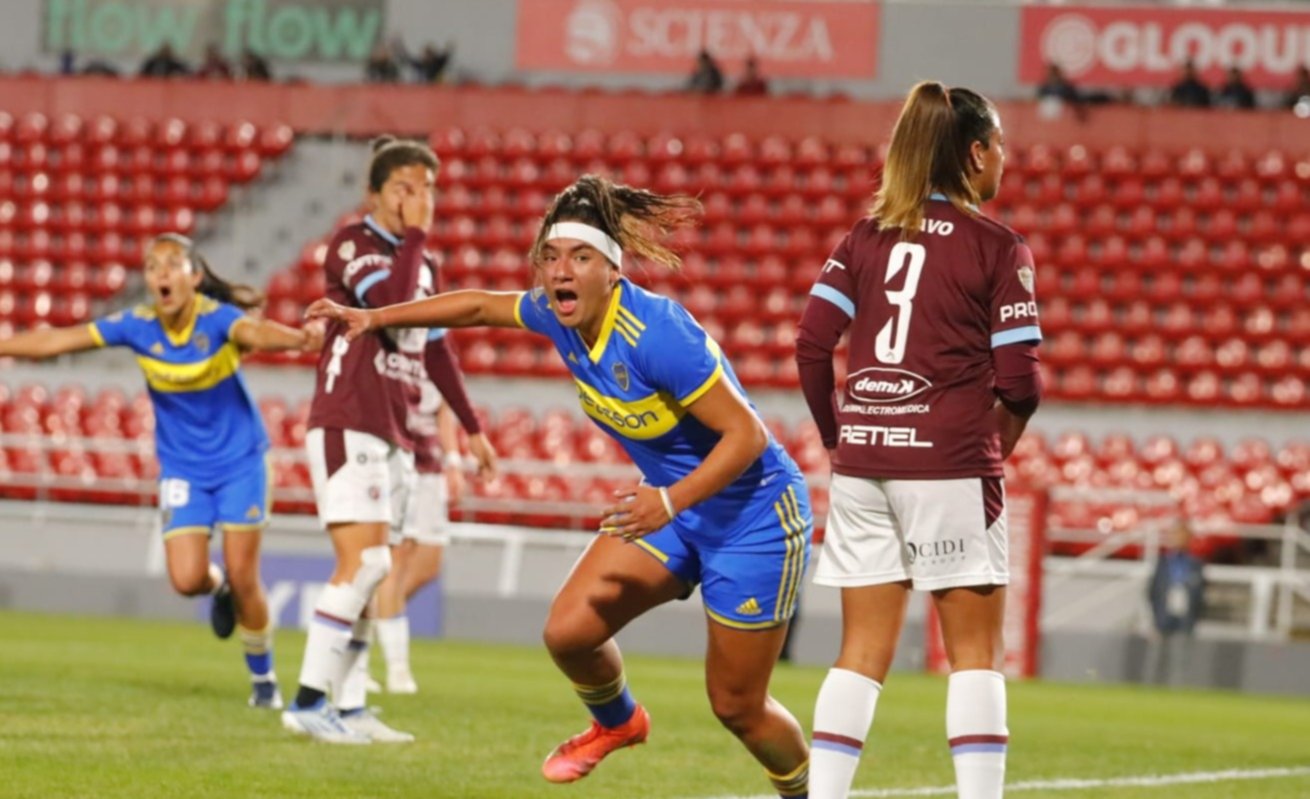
x: 206, y: 423
x: 651, y: 361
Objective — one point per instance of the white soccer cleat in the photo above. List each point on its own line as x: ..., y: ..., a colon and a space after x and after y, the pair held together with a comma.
x: 400, y: 680
x: 322, y: 723
x: 365, y: 722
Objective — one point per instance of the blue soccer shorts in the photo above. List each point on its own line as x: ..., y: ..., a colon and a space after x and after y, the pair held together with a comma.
x: 750, y: 581
x: 237, y: 501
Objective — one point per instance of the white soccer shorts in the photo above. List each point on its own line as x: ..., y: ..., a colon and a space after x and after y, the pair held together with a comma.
x: 936, y: 533
x: 358, y: 477
x: 426, y: 512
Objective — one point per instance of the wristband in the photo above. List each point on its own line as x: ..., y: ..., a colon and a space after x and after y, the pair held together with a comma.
x: 668, y: 503
x: 453, y: 460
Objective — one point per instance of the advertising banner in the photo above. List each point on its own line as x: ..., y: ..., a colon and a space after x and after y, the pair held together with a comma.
x: 1140, y: 46
x: 284, y: 30
x: 790, y: 39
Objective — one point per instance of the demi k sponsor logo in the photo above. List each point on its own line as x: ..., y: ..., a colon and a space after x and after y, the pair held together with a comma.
x: 882, y: 385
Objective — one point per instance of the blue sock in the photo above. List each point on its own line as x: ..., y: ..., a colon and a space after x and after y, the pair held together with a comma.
x: 258, y: 646
x: 610, y: 704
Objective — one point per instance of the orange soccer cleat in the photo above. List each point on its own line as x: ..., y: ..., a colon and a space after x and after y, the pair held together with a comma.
x: 576, y: 757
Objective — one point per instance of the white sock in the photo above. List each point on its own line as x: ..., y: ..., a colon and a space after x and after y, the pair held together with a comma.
x: 335, y: 614
x: 976, y: 731
x: 216, y: 576
x: 353, y: 691
x: 393, y: 635
x: 843, y: 715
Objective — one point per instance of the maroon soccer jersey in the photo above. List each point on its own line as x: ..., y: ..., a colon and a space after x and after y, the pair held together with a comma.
x: 369, y: 384
x: 423, y: 430
x: 924, y: 317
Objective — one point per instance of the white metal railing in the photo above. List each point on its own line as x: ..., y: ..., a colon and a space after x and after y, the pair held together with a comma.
x: 1272, y: 590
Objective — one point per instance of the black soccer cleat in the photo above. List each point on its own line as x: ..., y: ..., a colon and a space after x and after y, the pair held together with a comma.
x: 223, y: 613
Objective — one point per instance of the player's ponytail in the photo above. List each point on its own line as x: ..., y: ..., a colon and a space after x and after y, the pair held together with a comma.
x: 639, y: 220
x: 247, y: 298
x: 930, y: 152
x: 391, y: 153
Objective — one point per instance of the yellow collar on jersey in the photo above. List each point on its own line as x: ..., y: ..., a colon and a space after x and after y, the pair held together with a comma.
x: 597, y: 350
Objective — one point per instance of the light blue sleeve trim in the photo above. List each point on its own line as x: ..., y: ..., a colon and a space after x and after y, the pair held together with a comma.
x: 1030, y: 333
x: 436, y: 333
x: 835, y: 297
x: 362, y: 287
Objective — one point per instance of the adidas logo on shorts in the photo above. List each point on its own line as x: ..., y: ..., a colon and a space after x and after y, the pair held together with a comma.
x: 749, y: 608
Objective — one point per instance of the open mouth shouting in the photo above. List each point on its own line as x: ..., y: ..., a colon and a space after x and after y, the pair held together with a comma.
x: 566, y: 301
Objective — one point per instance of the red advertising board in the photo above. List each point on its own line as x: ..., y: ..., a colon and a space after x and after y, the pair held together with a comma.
x: 1140, y: 46
x: 790, y: 39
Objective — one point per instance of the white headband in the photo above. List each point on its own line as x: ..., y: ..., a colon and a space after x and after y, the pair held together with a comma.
x: 592, y: 236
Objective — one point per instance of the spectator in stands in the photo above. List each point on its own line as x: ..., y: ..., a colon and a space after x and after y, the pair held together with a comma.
x: 752, y: 82
x: 1235, y: 93
x: 359, y: 447
x: 215, y: 66
x: 922, y: 505
x: 381, y: 67
x: 432, y: 63
x: 706, y: 78
x: 164, y: 64
x: 1177, y: 590
x: 1189, y: 91
x: 99, y: 66
x: 1057, y: 87
x: 254, y: 67
x: 1300, y: 91
x: 67, y: 63
x: 209, y: 437
x: 721, y: 503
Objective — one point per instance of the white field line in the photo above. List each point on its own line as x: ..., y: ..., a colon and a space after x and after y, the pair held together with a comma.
x: 1069, y: 784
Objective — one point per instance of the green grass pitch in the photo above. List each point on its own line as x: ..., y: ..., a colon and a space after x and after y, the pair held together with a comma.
x: 123, y: 708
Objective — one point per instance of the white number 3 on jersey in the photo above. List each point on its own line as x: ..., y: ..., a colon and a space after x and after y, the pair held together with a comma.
x: 890, y: 344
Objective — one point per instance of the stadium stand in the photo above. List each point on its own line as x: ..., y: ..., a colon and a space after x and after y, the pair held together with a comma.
x: 1190, y: 291
x: 79, y: 194
x: 1168, y: 275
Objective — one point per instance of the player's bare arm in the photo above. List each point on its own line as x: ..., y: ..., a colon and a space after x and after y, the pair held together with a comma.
x: 265, y: 335
x: 452, y: 309
x: 48, y: 342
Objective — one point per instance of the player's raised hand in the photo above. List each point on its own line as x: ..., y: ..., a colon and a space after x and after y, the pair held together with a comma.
x: 358, y: 321
x: 416, y: 210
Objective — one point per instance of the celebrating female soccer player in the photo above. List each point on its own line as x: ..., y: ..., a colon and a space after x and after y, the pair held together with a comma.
x: 721, y: 505
x: 209, y: 437
x: 360, y: 449
x: 943, y: 323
